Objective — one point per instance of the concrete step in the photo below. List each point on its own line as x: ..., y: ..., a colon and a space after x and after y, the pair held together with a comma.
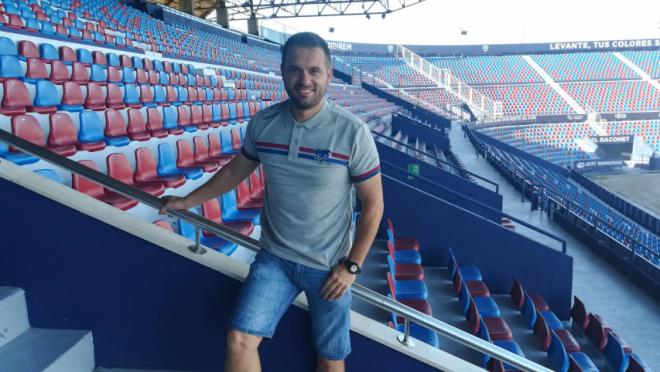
x: 13, y: 314
x: 48, y: 350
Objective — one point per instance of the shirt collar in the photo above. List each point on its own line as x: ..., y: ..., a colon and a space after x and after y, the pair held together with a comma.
x: 315, y: 120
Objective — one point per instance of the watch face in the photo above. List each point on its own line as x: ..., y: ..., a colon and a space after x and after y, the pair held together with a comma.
x: 353, y: 268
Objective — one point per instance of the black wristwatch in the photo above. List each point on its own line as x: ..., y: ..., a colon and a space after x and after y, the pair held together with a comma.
x: 352, y: 266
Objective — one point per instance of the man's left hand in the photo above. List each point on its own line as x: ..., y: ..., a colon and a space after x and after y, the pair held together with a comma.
x: 338, y: 282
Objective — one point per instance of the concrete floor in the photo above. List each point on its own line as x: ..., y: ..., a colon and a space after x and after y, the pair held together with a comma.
x: 604, y: 290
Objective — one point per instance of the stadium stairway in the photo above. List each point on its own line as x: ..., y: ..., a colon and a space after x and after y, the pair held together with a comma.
x: 29, y: 349
x: 625, y: 306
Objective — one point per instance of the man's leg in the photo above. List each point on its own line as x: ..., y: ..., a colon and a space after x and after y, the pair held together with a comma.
x: 242, y: 355
x: 330, y: 322
x: 265, y: 296
x: 326, y: 365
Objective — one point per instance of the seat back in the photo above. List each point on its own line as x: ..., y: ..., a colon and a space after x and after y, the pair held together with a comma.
x: 579, y: 314
x: 211, y: 210
x: 542, y: 332
x: 528, y: 311
x: 16, y: 102
x: 614, y: 354
x: 391, y: 285
x: 517, y: 294
x: 62, y: 131
x: 596, y: 332
x: 170, y: 118
x: 184, y: 155
x: 557, y: 354
x: 184, y: 116
x: 215, y: 150
x: 236, y: 139
x: 464, y: 299
x: 201, y: 153
x: 27, y: 127
x: 119, y: 168
x: 85, y: 185
x: 115, y: 125
x: 145, y: 165
x: 136, y: 122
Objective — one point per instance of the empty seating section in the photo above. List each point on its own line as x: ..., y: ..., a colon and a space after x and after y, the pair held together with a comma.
x: 489, y: 69
x: 647, y: 60
x: 555, y: 142
x: 389, y: 69
x: 527, y: 100
x: 358, y: 101
x: 588, y: 207
x: 584, y: 66
x: 615, y: 96
x: 649, y: 130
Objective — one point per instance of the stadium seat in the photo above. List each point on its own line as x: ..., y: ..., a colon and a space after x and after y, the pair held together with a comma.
x: 120, y: 169
x: 72, y: 97
x: 115, y: 129
x: 468, y: 272
x: 408, y: 289
x: 506, y: 344
x: 185, y: 158
x: 137, y: 126
x: 498, y: 329
x: 167, y: 164
x: 46, y: 97
x: 562, y: 359
x: 475, y: 288
x: 421, y: 333
x: 97, y: 191
x: 399, y: 243
x: 146, y: 171
x: 50, y: 174
x: 579, y: 314
x: 485, y: 305
x: 62, y: 138
x: 35, y: 70
x: 544, y: 335
x: 405, y: 271
x: 615, y: 355
x: 518, y: 297
x: 95, y: 99
x: 231, y: 213
x: 211, y: 210
x: 244, y: 199
x: 10, y: 67
x: 114, y: 99
x: 58, y: 72
x: 18, y: 101
x: 215, y: 150
x: 404, y: 257
x: 90, y: 133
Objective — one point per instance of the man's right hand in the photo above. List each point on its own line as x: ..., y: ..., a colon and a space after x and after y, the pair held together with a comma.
x: 172, y: 202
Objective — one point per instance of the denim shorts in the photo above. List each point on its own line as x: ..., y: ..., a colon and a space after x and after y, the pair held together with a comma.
x: 270, y: 288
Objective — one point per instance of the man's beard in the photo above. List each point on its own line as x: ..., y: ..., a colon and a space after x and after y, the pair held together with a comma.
x: 307, y: 103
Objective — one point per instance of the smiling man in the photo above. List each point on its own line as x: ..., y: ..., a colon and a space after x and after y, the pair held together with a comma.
x: 312, y: 153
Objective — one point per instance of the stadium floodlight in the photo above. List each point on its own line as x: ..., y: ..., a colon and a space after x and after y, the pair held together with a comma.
x: 238, y: 10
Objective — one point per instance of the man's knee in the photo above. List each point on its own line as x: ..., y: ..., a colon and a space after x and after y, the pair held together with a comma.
x: 240, y: 342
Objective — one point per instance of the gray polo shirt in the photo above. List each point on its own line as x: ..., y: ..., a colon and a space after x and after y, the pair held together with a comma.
x: 310, y: 168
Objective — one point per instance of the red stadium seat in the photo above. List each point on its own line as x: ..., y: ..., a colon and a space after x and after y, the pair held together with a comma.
x: 115, y: 97
x: 146, y: 170
x: 27, y: 127
x: 211, y: 210
x: 183, y: 119
x: 115, y: 126
x: 79, y: 73
x: 27, y: 49
x: 95, y: 99
x: 155, y: 123
x: 36, y: 69
x: 197, y: 117
x: 137, y: 126
x: 215, y: 150
x: 58, y: 72
x: 62, y: 138
x: 97, y: 191
x: 15, y: 98
x: 67, y: 55
x: 244, y: 199
x: 72, y: 96
x: 120, y: 169
x: 185, y: 158
x: 207, y: 116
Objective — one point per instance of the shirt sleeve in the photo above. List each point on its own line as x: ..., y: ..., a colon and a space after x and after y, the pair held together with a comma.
x: 364, y: 162
x: 249, y: 150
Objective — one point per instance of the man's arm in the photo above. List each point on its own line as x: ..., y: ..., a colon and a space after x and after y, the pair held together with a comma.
x: 225, y: 180
x: 370, y: 193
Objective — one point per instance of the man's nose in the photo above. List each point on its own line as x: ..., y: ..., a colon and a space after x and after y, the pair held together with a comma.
x: 305, y: 78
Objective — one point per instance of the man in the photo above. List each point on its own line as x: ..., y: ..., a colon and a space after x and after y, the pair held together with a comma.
x: 312, y: 153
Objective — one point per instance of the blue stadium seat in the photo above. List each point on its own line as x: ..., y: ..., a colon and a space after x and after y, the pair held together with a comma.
x: 16, y: 157
x: 90, y: 134
x: 46, y: 98
x: 10, y: 67
x: 159, y: 94
x: 508, y: 345
x: 231, y: 213
x: 49, y: 173
x: 528, y: 312
x: 113, y: 59
x: 167, y: 164
x: 615, y: 355
x: 99, y: 73
x: 131, y: 95
x: 486, y: 306
x: 421, y: 333
x: 403, y: 257
x: 48, y: 51
x: 468, y: 272
x: 84, y: 56
x: 7, y: 47
x: 408, y: 289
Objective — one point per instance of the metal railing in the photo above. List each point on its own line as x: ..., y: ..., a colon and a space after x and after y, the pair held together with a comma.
x: 444, y: 162
x: 359, y: 291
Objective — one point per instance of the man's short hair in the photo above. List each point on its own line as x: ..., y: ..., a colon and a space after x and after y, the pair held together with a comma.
x: 306, y: 40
